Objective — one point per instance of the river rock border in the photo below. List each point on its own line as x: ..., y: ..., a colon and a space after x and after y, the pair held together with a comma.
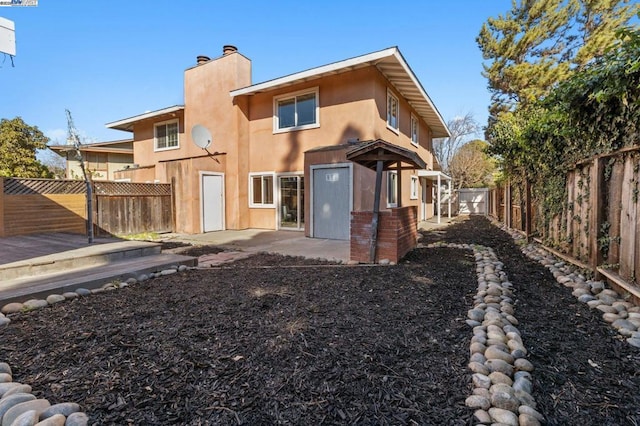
x: 502, y: 384
x: 616, y: 310
x: 18, y: 406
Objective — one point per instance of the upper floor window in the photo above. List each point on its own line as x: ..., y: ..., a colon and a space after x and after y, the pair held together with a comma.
x: 393, y: 112
x: 415, y: 128
x: 296, y: 111
x: 392, y: 189
x: 166, y: 135
x: 261, y: 190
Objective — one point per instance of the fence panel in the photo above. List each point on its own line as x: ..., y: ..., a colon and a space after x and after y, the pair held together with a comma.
x: 132, y: 208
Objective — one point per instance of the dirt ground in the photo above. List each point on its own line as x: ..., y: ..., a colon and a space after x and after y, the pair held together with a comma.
x: 276, y: 340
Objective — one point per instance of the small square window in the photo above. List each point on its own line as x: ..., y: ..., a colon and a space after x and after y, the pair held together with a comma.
x: 166, y: 135
x: 261, y: 191
x: 296, y: 111
x: 392, y: 189
x: 415, y: 128
x: 392, y: 112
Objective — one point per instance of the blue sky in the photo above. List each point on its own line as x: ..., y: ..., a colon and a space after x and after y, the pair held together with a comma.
x: 108, y: 60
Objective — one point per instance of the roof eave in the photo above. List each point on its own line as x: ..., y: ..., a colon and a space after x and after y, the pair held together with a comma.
x: 126, y: 124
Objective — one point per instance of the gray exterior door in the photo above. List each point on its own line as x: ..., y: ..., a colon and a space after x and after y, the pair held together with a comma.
x: 212, y: 203
x: 331, y: 203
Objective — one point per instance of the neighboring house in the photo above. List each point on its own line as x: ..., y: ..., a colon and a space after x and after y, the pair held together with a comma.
x: 102, y: 160
x: 277, y: 158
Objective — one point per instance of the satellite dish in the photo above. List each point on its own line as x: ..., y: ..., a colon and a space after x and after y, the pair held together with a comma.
x: 201, y: 136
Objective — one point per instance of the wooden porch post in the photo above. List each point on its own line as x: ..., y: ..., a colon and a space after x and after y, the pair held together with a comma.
x: 376, y: 212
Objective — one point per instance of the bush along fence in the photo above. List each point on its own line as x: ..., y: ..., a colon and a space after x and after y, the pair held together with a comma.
x: 29, y: 206
x: 596, y: 223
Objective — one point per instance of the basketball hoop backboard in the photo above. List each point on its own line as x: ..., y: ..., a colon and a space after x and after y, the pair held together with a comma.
x: 7, y: 37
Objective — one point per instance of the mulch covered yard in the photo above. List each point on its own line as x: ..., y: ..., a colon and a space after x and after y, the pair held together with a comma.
x: 275, y: 340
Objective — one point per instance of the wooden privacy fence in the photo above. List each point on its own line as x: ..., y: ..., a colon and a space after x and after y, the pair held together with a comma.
x: 599, y: 225
x: 29, y: 206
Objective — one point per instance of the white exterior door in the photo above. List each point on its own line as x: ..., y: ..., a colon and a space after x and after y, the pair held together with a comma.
x: 212, y: 202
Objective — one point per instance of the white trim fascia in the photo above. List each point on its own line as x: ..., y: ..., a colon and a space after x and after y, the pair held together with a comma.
x: 315, y: 72
x: 140, y: 117
x: 433, y: 174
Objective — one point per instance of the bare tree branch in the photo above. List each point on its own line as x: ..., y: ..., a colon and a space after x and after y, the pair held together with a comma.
x: 461, y: 129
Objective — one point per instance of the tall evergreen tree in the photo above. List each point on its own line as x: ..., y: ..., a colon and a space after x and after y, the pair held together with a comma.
x: 538, y: 43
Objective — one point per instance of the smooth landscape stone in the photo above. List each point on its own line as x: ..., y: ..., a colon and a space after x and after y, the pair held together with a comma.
x: 611, y: 293
x: 481, y: 381
x: 505, y: 400
x: 36, y: 405
x: 632, y: 314
x: 605, y: 298
x: 596, y: 286
x: 6, y: 387
x: 527, y: 420
x: 477, y: 367
x: 478, y: 357
x: 173, y: 271
x: 507, y: 309
x: 497, y: 377
x: 18, y: 389
x: 523, y: 384
x: 83, y: 292
x: 522, y: 364
x: 477, y: 348
x: 12, y: 400
x: 509, y: 328
x: 634, y: 341
x: 579, y: 292
x: 5, y: 368
x: 479, y: 338
x: 525, y: 409
x: 500, y: 366
x: 77, y: 419
x: 623, y: 323
x: 512, y: 319
x: 475, y: 315
x: 481, y: 392
x: 123, y: 285
x: 595, y: 303
x: 476, y: 401
x: 482, y: 416
x: 65, y: 408
x: 35, y: 304
x: 98, y: 290
x: 494, y: 352
x: 521, y: 375
x: 143, y: 277
x: 586, y: 298
x: 609, y: 317
x: 131, y: 280
x: 55, y: 420
x: 525, y: 398
x: 182, y: 268
x: 12, y: 308
x: 607, y: 309
x: 70, y: 295
x: 4, y: 321
x: 625, y: 332
x: 27, y: 418
x: 111, y: 285
x: 55, y: 298
x: 5, y: 378
x: 472, y: 323
x: 505, y: 417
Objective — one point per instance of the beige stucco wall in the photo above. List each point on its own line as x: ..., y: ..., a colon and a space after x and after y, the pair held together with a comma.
x: 352, y: 105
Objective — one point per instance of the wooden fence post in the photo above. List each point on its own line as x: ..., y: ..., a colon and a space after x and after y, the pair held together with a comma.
x: 595, y: 223
x: 2, y: 200
x: 527, y: 210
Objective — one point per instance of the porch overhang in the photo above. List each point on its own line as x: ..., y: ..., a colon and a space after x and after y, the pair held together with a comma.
x: 393, y: 157
x: 438, y: 177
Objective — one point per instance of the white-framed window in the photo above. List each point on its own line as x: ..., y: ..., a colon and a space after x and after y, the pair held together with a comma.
x: 261, y: 190
x: 393, y: 112
x: 296, y: 111
x: 414, y: 187
x: 415, y: 129
x: 166, y: 135
x: 392, y: 189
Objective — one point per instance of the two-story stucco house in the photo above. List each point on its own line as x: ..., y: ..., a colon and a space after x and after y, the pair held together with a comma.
x: 101, y: 159
x: 277, y: 158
